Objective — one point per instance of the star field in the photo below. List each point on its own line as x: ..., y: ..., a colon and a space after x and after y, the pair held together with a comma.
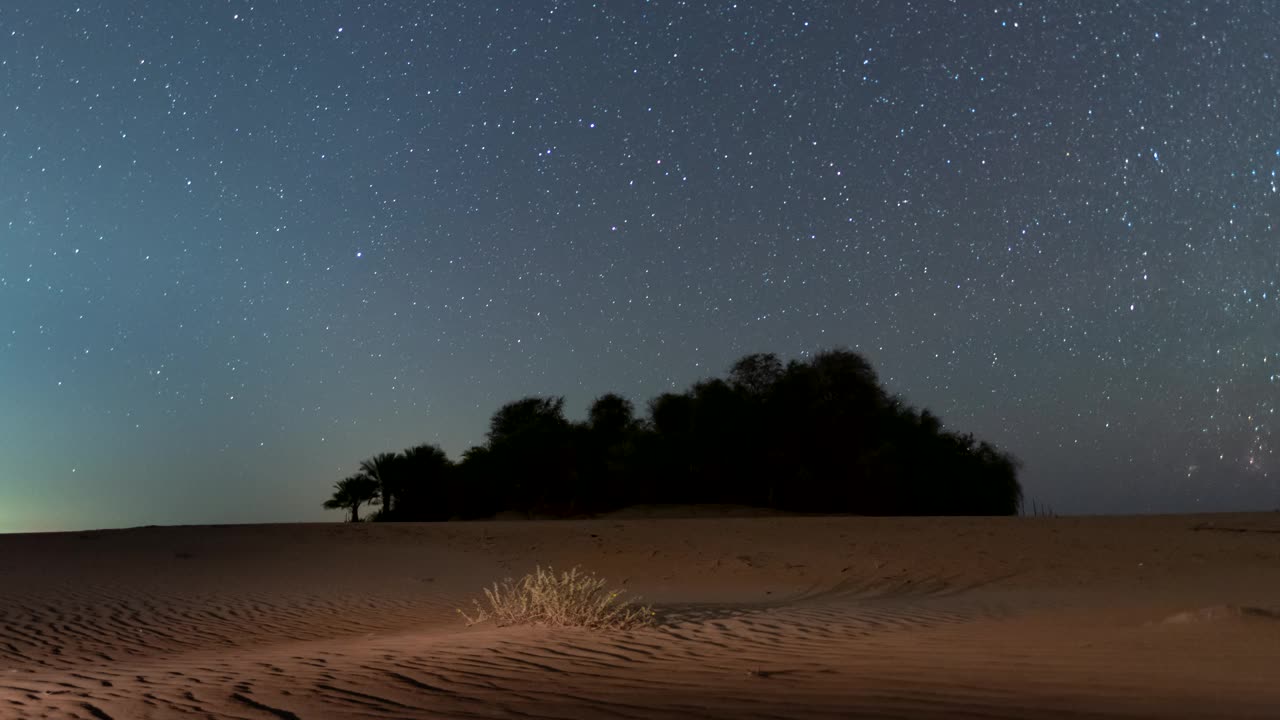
x: 247, y: 244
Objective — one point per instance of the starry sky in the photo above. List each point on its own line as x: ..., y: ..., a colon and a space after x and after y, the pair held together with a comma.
x: 247, y: 244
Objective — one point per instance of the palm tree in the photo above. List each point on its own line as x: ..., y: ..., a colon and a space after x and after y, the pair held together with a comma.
x: 383, y: 468
x: 351, y: 492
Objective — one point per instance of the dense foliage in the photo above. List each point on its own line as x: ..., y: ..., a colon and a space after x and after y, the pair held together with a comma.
x: 817, y: 436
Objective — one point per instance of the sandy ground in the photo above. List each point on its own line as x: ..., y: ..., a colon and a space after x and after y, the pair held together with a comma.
x: 1153, y: 617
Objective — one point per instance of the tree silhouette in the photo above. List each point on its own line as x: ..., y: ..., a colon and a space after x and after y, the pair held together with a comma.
x: 609, y: 443
x: 385, y: 469
x: 611, y: 415
x: 756, y: 374
x: 476, y: 490
x: 818, y: 435
x: 528, y: 415
x: 425, y: 492
x: 668, y: 456
x: 351, y: 492
x: 532, y: 451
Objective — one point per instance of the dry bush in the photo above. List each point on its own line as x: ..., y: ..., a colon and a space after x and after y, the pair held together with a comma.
x: 571, y: 599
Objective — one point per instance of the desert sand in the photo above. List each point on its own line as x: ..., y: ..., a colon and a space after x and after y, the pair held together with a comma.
x: 761, y: 617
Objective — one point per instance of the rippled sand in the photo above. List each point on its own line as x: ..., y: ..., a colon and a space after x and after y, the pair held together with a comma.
x: 1158, y: 617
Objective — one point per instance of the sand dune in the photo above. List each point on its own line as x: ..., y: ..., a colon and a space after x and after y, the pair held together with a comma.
x: 1156, y: 617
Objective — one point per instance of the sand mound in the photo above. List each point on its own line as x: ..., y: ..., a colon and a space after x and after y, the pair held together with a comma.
x: 760, y: 617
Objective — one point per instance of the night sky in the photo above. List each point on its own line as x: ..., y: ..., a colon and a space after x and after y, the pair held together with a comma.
x: 248, y: 244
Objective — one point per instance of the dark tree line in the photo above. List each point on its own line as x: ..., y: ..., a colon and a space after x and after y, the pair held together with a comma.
x: 818, y: 436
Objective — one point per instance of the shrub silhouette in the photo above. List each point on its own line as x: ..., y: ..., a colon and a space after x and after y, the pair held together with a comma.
x: 818, y: 436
